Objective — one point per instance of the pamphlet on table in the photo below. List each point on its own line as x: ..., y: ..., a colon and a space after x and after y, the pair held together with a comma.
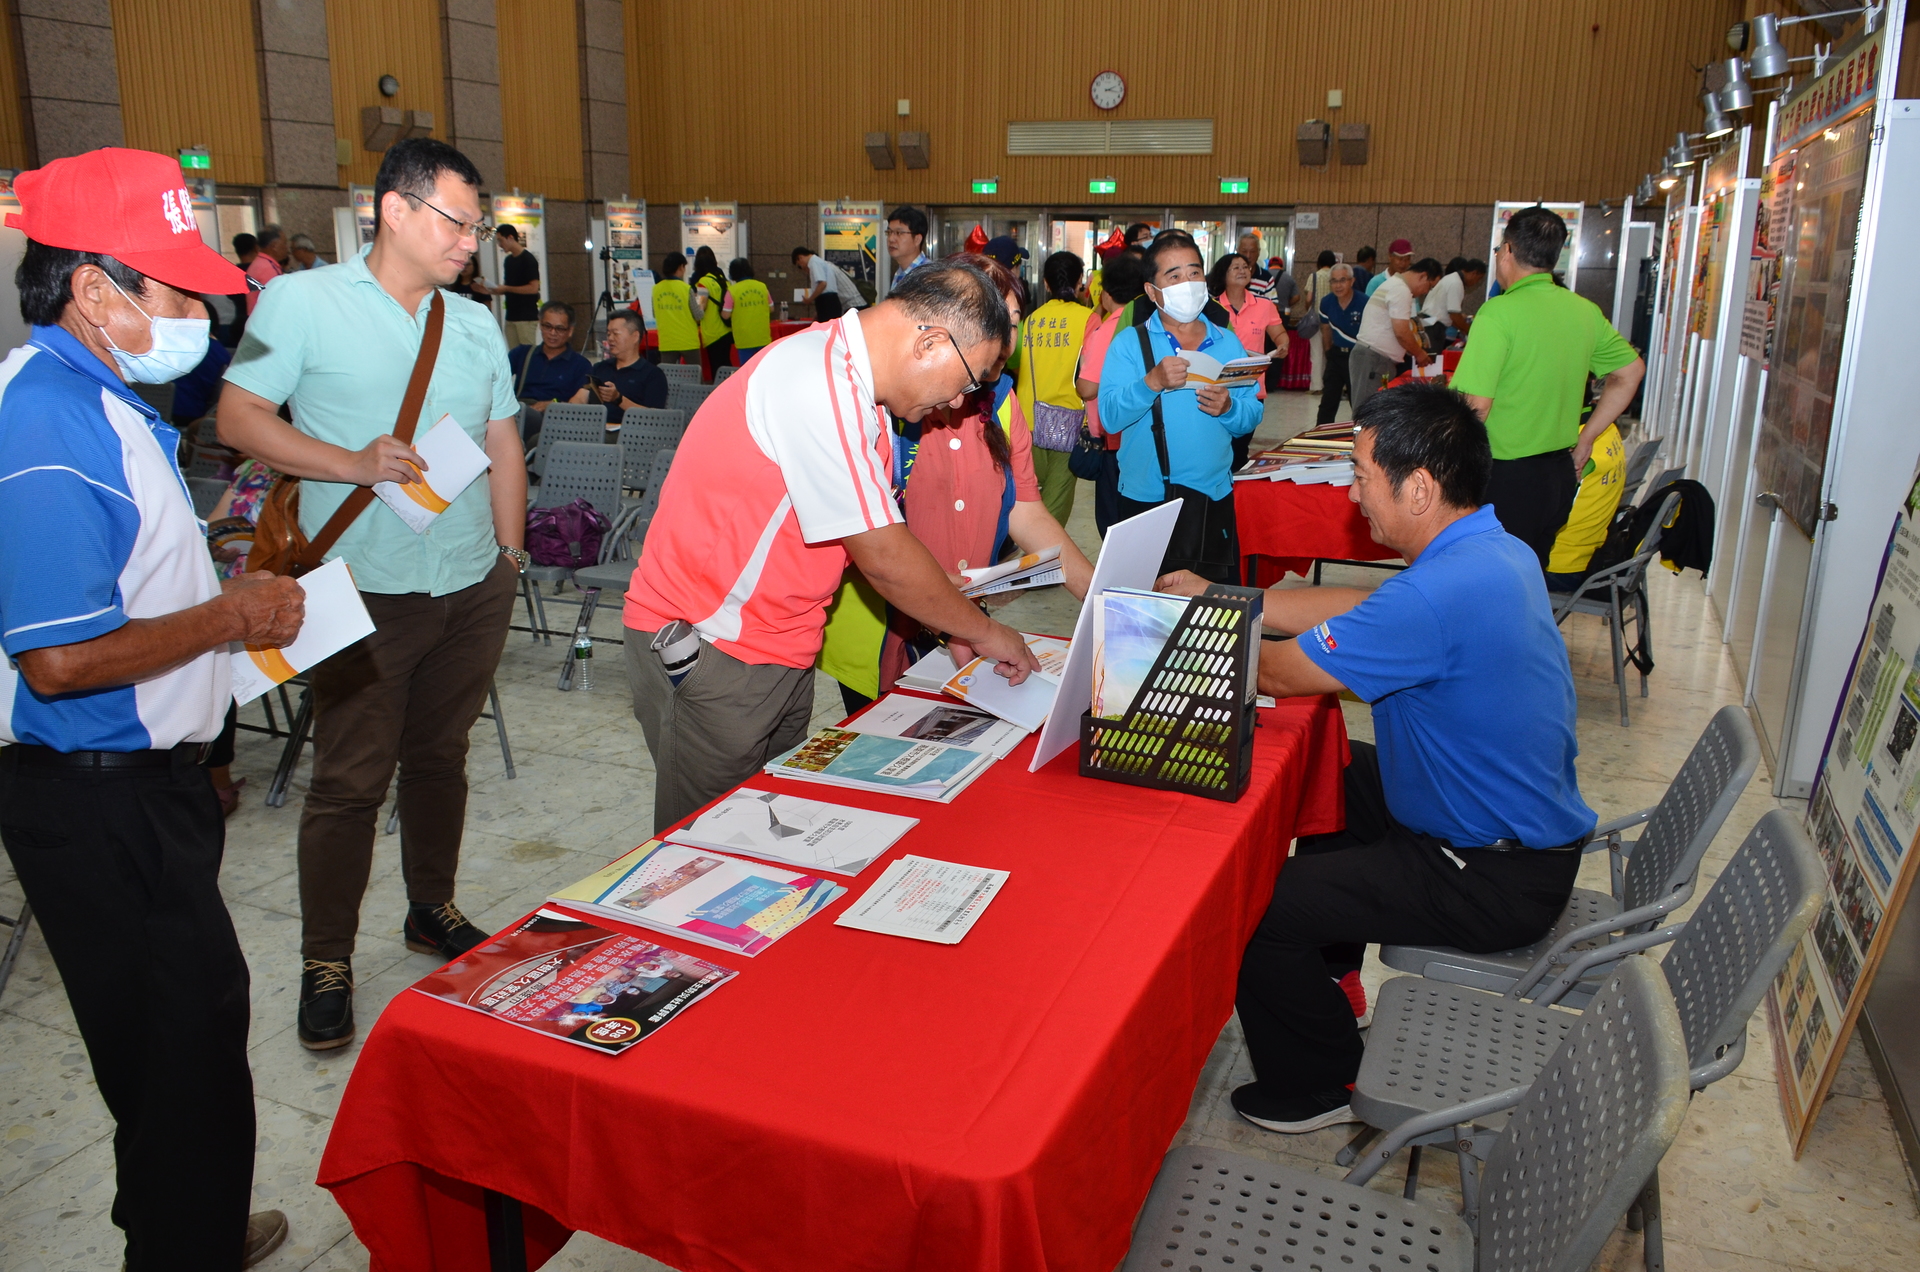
x: 1131, y: 627
x: 932, y: 672
x: 925, y: 899
x: 701, y: 896
x: 1035, y: 569
x: 900, y: 715
x: 1024, y: 705
x: 336, y: 617
x: 558, y: 976
x: 1203, y: 368
x: 893, y: 766
x: 453, y: 461
x: 801, y: 832
x: 1301, y: 472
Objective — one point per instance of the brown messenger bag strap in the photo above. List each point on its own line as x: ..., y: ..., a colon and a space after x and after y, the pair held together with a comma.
x: 403, y: 428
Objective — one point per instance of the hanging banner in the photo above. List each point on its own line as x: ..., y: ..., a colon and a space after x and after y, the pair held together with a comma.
x: 1569, y: 264
x: 1850, y: 85
x: 850, y: 237
x: 629, y: 279
x: 714, y: 225
x: 1865, y: 819
x: 364, y: 213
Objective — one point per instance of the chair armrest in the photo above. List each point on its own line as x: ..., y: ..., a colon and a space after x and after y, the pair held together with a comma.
x: 1714, y: 1070
x: 1606, y: 830
x: 1426, y: 1124
x: 1612, y: 952
x: 1558, y: 955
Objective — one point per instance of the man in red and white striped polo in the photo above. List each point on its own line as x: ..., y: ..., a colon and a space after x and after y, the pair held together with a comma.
x: 785, y: 476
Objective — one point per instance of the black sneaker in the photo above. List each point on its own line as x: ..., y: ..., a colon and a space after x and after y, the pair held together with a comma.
x: 326, y: 1004
x: 1293, y: 1115
x: 440, y: 929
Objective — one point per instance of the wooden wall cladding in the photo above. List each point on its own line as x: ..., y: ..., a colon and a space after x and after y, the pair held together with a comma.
x: 1468, y: 103
x: 540, y: 96
x: 189, y: 76
x: 370, y: 38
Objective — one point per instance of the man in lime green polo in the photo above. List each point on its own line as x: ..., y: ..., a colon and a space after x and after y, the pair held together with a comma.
x: 1525, y: 371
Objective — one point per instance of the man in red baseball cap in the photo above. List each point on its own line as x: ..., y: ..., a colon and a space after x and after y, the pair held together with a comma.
x: 116, y: 633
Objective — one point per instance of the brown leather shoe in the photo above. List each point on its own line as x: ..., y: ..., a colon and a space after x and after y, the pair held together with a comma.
x: 266, y: 1229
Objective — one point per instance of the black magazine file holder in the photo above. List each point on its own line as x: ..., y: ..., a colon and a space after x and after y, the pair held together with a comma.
x: 1190, y: 727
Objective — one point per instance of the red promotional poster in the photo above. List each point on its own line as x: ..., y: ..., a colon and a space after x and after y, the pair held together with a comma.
x: 568, y: 979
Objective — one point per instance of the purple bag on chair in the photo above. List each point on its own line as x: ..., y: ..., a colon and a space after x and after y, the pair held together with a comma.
x: 567, y: 536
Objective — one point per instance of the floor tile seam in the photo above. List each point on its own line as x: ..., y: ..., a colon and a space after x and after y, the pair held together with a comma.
x: 105, y: 1137
x: 344, y: 1238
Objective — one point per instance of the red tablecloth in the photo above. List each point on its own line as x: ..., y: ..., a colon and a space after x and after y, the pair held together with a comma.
x: 652, y: 340
x: 1291, y: 526
x: 857, y: 1101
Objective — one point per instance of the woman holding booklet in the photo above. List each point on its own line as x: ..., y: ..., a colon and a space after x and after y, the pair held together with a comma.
x: 965, y: 481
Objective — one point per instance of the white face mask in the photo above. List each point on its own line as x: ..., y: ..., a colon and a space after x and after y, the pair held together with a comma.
x: 1183, y: 302
x: 178, y: 346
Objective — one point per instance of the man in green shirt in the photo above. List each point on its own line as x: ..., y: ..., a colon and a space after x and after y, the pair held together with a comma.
x: 340, y: 344
x: 1525, y: 371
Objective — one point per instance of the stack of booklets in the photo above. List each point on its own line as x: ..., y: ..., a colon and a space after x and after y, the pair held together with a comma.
x: 874, y: 762
x: 557, y: 976
x: 1130, y: 628
x: 1035, y: 569
x: 1321, y: 455
x: 701, y: 896
x: 799, y: 832
x: 932, y: 673
x: 900, y: 715
x: 1025, y: 705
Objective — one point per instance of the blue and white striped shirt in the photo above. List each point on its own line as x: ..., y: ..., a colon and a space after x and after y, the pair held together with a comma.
x: 96, y: 528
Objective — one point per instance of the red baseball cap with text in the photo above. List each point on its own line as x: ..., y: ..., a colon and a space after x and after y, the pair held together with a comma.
x: 127, y: 204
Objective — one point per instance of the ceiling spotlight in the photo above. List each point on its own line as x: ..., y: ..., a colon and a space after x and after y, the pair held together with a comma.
x: 1769, y: 57
x: 1718, y: 125
x: 1668, y: 180
x: 1738, y: 93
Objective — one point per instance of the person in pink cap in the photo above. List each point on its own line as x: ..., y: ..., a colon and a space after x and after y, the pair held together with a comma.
x: 1399, y: 259
x: 116, y: 678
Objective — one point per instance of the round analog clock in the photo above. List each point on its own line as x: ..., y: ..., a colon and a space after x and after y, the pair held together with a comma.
x: 1109, y: 90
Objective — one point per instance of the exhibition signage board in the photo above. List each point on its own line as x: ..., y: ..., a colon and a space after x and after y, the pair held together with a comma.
x: 365, y: 215
x: 629, y: 278
x: 1864, y: 818
x: 1710, y: 247
x: 714, y: 225
x: 1569, y: 265
x: 1849, y: 86
x: 526, y: 213
x: 850, y: 238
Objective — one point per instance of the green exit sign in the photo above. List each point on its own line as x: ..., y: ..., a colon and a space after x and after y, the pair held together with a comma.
x: 1102, y: 185
x: 196, y: 160
x: 988, y: 185
x: 1233, y: 185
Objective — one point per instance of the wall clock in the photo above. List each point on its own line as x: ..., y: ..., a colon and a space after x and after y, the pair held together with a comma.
x: 1109, y: 90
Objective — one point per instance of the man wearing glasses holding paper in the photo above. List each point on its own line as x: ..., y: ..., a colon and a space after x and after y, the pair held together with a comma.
x: 117, y: 678
x: 346, y: 345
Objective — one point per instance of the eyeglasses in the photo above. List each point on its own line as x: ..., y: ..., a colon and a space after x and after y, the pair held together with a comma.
x: 973, y: 381
x: 479, y: 229
x: 558, y: 330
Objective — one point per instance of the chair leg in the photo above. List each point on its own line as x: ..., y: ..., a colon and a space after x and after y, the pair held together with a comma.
x: 393, y: 818
x: 1469, y: 1188
x: 290, y: 754
x: 1645, y: 632
x: 1656, y: 1247
x: 19, y: 923
x: 1413, y: 1173
x: 1356, y: 1146
x: 500, y: 727
x: 1619, y: 656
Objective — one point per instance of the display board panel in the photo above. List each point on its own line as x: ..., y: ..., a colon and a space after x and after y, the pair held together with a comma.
x: 1568, y: 268
x: 850, y: 237
x: 526, y: 213
x: 715, y: 225
x: 629, y: 276
x: 1864, y: 818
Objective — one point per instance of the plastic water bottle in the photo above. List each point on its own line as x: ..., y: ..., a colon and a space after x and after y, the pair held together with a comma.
x: 583, y: 663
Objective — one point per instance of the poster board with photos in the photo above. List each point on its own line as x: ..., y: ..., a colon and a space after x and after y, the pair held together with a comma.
x: 1568, y: 268
x: 1864, y: 818
x: 850, y: 236
x: 1720, y: 181
x: 714, y: 225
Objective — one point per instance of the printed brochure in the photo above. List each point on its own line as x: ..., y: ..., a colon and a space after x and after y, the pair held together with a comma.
x: 336, y: 617
x: 453, y: 461
x: 557, y: 976
x: 925, y: 899
x: 1130, y: 628
x: 800, y: 832
x: 900, y: 715
x: 896, y: 766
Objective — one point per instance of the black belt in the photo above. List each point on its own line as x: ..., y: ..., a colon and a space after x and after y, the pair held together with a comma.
x: 1514, y: 845
x: 46, y: 757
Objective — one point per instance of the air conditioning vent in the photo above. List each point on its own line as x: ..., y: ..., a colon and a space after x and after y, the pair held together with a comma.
x: 1110, y: 137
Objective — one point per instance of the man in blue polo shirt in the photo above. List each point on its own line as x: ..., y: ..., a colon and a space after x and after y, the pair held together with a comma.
x: 1464, y: 818
x: 116, y: 632
x: 550, y: 371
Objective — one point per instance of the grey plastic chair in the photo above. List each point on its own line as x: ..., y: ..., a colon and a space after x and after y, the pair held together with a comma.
x: 669, y: 416
x: 1619, y: 595
x: 617, y: 557
x: 1650, y: 877
x: 575, y: 470
x: 1435, y: 1049
x: 1578, y: 1147
x: 681, y: 372
x: 688, y: 397
x: 584, y: 422
x: 205, y: 467
x: 205, y: 492
x: 301, y: 727
x: 1638, y: 463
x: 722, y: 373
x: 19, y: 923
x: 157, y: 396
x: 640, y: 441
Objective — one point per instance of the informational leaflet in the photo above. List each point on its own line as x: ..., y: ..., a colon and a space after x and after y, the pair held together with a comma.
x: 1864, y: 818
x: 335, y: 618
x: 1204, y: 368
x: 900, y: 715
x: 1025, y: 705
x: 932, y: 672
x: 702, y: 896
x: 558, y: 976
x: 894, y: 766
x: 453, y: 461
x: 1035, y: 569
x: 925, y: 899
x: 800, y: 832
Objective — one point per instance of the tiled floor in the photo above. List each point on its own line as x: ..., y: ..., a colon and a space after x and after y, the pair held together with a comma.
x: 1734, y: 1197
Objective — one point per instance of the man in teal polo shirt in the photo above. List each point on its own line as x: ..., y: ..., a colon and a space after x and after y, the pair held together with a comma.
x: 1525, y: 371
x: 340, y: 344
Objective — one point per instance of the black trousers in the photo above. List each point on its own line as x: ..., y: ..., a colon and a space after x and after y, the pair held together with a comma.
x: 827, y: 307
x: 1374, y: 882
x: 1333, y: 382
x: 1106, y: 493
x: 1532, y: 497
x: 122, y: 871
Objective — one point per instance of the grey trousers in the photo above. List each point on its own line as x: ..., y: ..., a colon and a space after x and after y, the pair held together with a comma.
x: 717, y: 729
x: 1367, y: 369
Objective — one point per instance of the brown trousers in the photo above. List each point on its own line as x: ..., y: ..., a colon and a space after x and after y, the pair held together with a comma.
x: 408, y: 694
